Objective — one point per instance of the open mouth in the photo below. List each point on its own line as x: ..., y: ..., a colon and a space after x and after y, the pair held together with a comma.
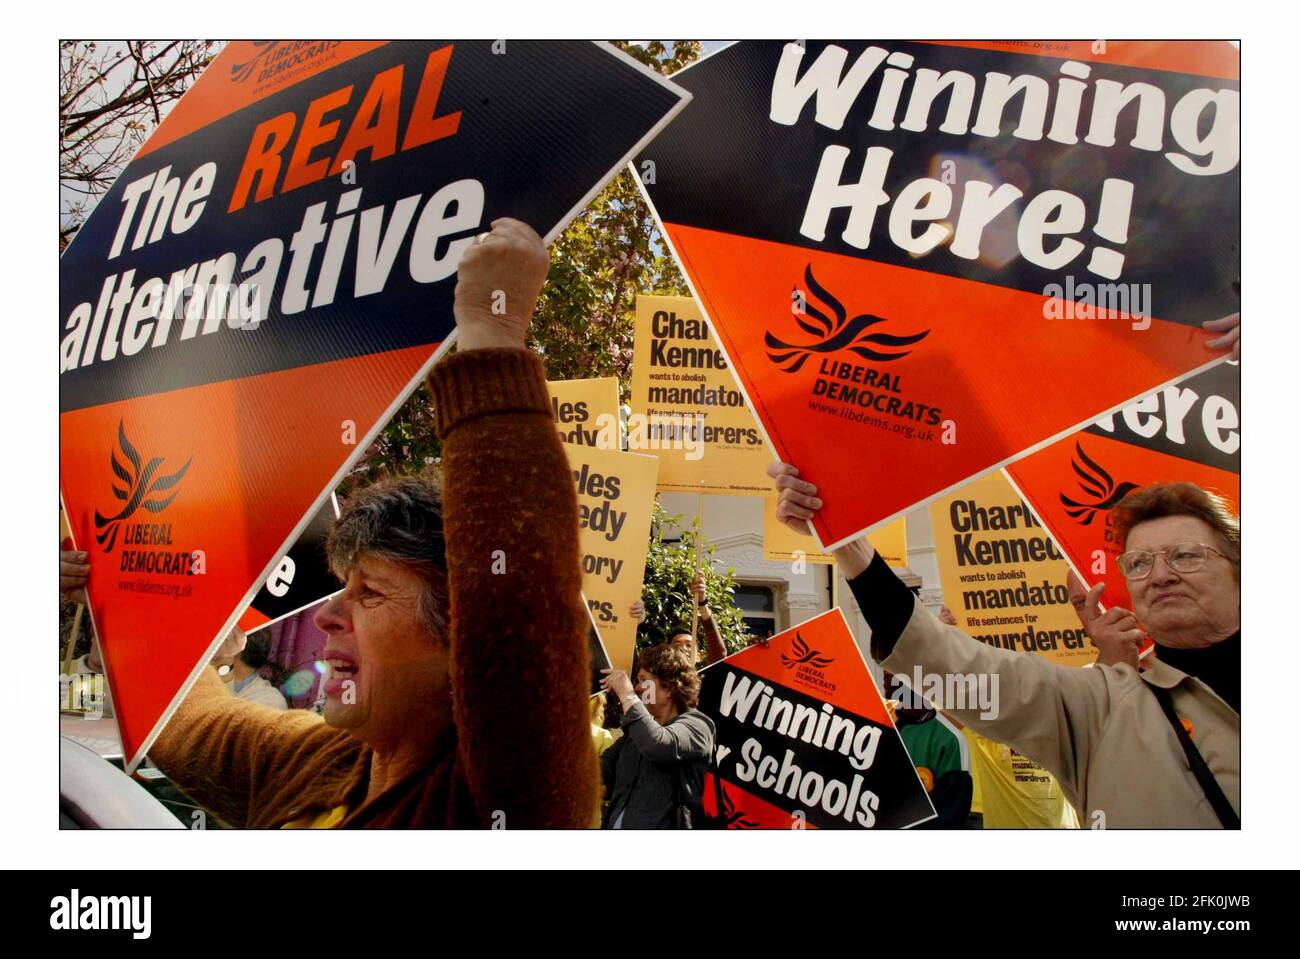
x: 341, y: 672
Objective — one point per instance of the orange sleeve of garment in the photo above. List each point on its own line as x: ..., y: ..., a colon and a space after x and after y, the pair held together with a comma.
x: 520, y: 670
x: 233, y: 757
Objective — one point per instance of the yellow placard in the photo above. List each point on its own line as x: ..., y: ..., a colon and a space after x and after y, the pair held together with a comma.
x: 687, y: 408
x: 890, y: 542
x: 1003, y: 577
x: 780, y: 542
x: 586, y: 411
x: 616, y: 495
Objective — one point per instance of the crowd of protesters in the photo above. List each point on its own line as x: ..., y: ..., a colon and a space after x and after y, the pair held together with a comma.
x: 458, y: 692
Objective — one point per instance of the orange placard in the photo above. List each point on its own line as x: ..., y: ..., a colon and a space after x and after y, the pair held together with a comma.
x: 1003, y: 576
x: 586, y: 411
x: 616, y: 499
x: 686, y: 408
x: 1190, y: 431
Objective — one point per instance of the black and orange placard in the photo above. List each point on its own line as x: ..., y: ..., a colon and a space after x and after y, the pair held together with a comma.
x: 1189, y: 431
x: 922, y: 260
x: 265, y: 283
x: 300, y: 578
x: 803, y: 738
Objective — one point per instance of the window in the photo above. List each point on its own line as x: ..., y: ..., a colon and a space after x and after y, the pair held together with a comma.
x: 758, y: 607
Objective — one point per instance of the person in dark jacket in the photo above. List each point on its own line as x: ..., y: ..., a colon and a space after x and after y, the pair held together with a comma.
x: 654, y: 774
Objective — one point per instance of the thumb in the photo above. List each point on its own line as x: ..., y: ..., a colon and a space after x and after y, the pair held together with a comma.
x: 1092, y: 605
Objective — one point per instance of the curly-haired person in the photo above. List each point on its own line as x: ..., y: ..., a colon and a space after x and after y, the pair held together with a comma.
x: 654, y: 774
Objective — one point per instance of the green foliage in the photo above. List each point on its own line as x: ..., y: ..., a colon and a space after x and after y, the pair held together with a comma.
x: 670, y: 567
x: 407, y: 444
x: 583, y: 326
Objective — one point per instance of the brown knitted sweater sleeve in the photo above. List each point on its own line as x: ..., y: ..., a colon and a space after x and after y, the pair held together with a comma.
x: 520, y: 670
x: 234, y: 758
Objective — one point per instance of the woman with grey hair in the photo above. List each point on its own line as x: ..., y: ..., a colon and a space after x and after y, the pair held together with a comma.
x: 458, y: 667
x: 1160, y: 748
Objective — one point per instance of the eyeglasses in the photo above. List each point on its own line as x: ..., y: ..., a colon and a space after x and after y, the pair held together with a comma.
x: 1183, y: 558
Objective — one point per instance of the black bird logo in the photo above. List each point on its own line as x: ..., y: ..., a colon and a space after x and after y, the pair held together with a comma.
x: 1097, y: 484
x: 239, y: 72
x: 803, y: 654
x: 838, y: 334
x: 728, y: 816
x: 139, y: 483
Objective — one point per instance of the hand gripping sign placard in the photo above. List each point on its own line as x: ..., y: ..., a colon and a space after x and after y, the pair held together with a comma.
x: 804, y: 740
x: 781, y: 544
x: 924, y: 259
x: 599, y: 655
x: 1187, y: 432
x: 266, y: 282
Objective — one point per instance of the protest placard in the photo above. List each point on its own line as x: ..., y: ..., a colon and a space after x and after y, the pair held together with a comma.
x: 616, y: 496
x: 266, y: 282
x: 804, y: 740
x: 687, y: 408
x: 586, y: 411
x: 781, y: 544
x: 300, y: 579
x: 923, y: 260
x: 1003, y: 577
x: 1187, y: 432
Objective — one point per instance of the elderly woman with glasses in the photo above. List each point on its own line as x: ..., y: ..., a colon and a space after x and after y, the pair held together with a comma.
x: 1160, y: 748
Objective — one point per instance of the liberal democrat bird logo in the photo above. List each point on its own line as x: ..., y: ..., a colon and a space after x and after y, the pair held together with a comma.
x: 1097, y: 484
x: 838, y: 334
x: 137, y: 484
x: 804, y: 655
x: 239, y: 72
x: 728, y: 815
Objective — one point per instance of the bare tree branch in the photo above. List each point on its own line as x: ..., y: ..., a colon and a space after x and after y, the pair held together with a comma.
x: 111, y: 96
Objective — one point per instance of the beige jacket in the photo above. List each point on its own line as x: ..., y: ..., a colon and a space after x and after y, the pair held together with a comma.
x: 1098, y: 730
